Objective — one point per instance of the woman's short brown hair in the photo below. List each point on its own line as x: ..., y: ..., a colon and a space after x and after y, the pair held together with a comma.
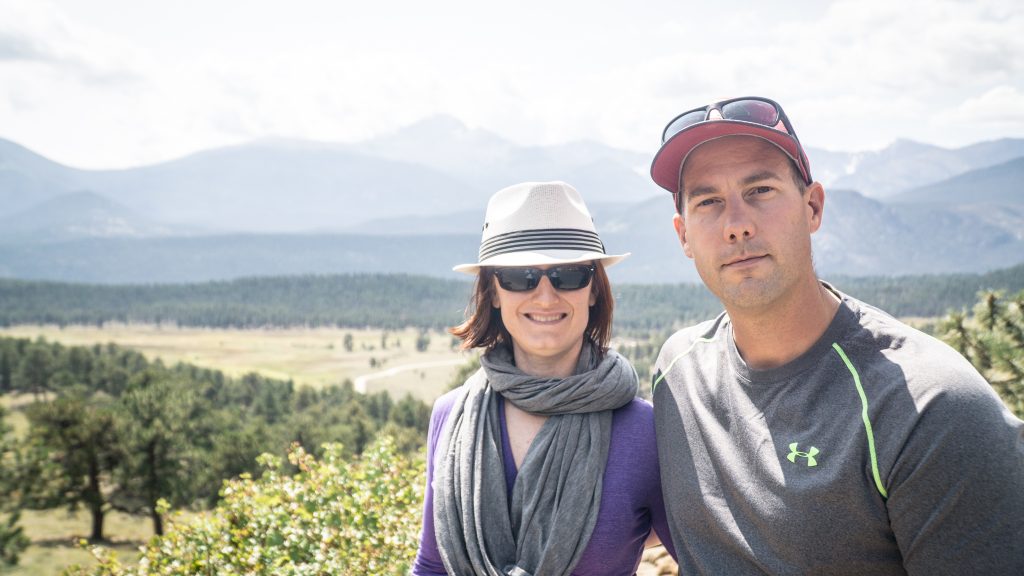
x: 484, y: 328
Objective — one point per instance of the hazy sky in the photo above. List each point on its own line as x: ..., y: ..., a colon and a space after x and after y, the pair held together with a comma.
x: 114, y: 83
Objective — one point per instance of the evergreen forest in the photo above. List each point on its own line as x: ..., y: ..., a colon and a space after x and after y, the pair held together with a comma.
x: 394, y: 301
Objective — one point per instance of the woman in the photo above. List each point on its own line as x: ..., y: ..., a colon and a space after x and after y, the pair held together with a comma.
x: 544, y: 462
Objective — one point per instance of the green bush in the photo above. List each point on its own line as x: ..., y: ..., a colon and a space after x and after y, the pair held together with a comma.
x: 331, y: 516
x: 12, y: 539
x: 992, y: 338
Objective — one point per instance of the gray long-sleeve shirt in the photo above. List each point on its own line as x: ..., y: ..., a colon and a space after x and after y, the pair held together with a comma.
x: 878, y: 451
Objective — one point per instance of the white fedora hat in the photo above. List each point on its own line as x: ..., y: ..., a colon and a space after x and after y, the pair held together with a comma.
x: 536, y: 224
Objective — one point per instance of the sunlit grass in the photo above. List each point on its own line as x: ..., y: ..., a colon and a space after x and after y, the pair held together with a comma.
x: 55, y: 535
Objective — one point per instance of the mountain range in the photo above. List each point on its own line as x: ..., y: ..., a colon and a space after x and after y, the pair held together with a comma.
x: 413, y: 201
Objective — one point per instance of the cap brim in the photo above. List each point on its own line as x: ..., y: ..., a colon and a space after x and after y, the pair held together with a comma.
x: 667, y: 167
x: 542, y: 258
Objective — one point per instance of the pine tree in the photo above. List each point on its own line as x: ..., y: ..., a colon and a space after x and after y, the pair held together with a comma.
x: 79, y: 434
x: 992, y: 338
x: 12, y: 539
x: 155, y: 414
x: 6, y: 371
x: 422, y: 341
x: 36, y: 369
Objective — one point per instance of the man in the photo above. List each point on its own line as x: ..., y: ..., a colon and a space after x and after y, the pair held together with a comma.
x: 803, y: 431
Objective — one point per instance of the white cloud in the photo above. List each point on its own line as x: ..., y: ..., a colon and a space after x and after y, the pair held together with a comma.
x: 150, y: 82
x: 858, y: 75
x: 999, y: 105
x: 14, y: 46
x: 995, y: 112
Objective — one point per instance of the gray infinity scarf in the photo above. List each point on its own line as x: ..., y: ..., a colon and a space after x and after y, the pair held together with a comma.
x: 557, y: 492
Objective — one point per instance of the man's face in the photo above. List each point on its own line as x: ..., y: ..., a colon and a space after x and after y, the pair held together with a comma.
x: 745, y: 222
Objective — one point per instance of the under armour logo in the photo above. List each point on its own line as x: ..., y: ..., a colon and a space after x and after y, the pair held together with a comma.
x: 810, y: 454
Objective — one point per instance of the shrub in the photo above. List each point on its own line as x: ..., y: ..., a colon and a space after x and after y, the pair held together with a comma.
x: 332, y: 516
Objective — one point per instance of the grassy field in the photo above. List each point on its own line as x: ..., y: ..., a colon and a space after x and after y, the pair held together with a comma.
x: 314, y: 356
x: 55, y: 534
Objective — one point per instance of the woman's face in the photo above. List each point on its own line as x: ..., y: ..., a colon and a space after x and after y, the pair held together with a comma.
x: 546, y: 325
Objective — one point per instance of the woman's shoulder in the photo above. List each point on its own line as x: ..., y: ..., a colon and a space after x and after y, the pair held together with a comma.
x: 637, y: 408
x: 443, y: 405
x: 636, y: 415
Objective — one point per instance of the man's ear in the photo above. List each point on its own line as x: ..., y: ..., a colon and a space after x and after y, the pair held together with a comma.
x: 680, y: 226
x: 815, y: 206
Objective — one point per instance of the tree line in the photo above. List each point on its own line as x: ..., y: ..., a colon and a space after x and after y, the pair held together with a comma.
x: 396, y: 301
x: 110, y: 430
x: 390, y: 301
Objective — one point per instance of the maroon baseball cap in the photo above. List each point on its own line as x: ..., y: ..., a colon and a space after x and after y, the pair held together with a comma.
x: 747, y: 116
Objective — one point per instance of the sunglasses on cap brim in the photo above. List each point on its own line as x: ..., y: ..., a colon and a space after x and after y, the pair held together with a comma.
x: 750, y: 109
x: 526, y: 278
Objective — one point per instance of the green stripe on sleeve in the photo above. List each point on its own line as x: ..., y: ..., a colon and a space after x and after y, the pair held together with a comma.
x: 867, y: 420
x: 672, y: 363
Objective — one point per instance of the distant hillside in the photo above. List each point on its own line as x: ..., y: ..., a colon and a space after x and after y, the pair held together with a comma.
x: 1002, y: 184
x: 413, y: 201
x: 446, y: 224
x: 205, y: 258
x: 828, y: 166
x: 274, y: 186
x: 26, y: 178
x: 430, y: 168
x: 398, y: 300
x: 488, y: 163
x: 906, y: 164
x: 865, y: 237
x: 859, y: 237
x: 607, y: 216
x: 78, y: 215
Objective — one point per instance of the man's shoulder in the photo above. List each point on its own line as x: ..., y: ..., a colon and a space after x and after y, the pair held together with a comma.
x: 684, y: 341
x: 689, y: 342
x: 927, y: 365
x: 879, y: 331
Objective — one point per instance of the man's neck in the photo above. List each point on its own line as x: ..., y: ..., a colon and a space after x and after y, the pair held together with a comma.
x: 780, y: 333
